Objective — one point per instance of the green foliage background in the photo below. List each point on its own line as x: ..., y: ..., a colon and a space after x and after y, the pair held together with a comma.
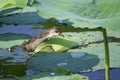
x: 76, y: 13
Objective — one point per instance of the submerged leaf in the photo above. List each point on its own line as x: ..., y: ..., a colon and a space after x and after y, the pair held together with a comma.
x: 62, y: 71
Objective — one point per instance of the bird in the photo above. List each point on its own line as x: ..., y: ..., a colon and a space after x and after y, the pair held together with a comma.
x: 32, y: 43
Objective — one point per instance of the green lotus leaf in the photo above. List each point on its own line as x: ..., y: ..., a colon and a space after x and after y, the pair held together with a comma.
x: 8, y: 40
x: 58, y: 44
x: 72, y: 61
x: 79, y: 13
x: 7, y: 4
x: 47, y: 76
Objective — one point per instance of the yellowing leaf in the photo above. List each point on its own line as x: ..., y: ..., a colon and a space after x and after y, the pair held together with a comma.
x: 21, y: 3
x: 58, y: 44
x: 6, y: 4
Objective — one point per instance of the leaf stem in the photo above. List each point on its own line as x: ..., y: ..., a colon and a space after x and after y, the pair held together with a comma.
x: 107, y: 72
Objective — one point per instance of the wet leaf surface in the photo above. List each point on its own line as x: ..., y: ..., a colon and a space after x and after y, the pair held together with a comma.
x: 12, y: 63
x: 11, y: 39
x: 17, y: 56
x: 47, y: 76
x: 63, y: 13
x: 58, y: 44
x: 24, y: 16
x: 83, y: 14
x: 69, y: 61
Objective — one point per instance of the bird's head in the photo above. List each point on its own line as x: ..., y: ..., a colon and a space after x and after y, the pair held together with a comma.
x: 55, y: 31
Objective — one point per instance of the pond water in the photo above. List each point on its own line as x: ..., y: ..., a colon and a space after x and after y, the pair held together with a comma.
x: 13, y: 62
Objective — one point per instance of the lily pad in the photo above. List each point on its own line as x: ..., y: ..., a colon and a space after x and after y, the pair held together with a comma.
x: 15, y: 55
x: 98, y: 49
x: 46, y: 76
x: 12, y: 63
x: 79, y: 13
x: 58, y: 44
x: 6, y: 4
x: 26, y: 15
x: 75, y: 62
x: 11, y: 39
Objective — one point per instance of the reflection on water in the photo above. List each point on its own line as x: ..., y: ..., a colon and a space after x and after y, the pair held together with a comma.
x: 12, y: 64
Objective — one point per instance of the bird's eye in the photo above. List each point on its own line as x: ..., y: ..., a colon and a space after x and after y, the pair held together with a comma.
x: 56, y: 31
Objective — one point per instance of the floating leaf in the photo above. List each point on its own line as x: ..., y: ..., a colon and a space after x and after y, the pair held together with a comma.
x: 27, y: 15
x: 47, y: 76
x: 21, y: 3
x: 11, y: 39
x: 98, y: 49
x: 83, y: 14
x: 6, y: 4
x: 75, y: 62
x: 58, y: 44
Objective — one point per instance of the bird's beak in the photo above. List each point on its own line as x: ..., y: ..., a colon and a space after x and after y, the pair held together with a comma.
x: 60, y: 34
